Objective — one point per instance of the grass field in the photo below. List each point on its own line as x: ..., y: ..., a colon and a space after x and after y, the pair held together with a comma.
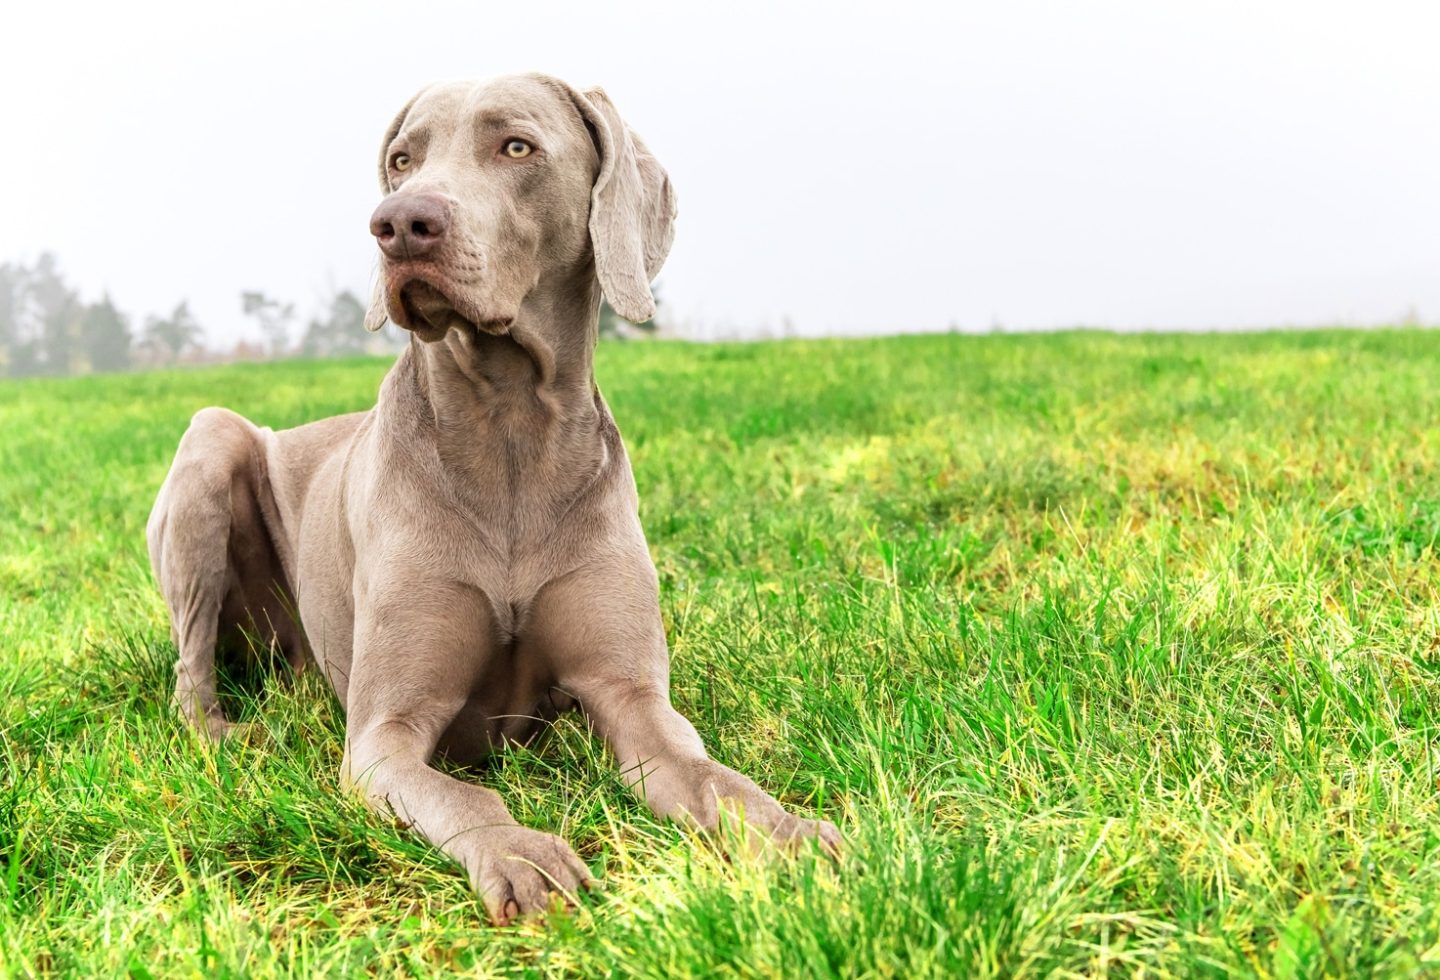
x: 1108, y: 654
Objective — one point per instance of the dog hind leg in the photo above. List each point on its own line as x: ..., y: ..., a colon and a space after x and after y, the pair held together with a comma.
x: 206, y: 507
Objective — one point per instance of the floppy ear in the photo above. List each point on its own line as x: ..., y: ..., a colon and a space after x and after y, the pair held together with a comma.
x: 376, y: 316
x: 632, y: 210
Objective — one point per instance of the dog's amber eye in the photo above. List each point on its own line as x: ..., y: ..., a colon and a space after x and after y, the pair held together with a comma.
x: 400, y: 161
x: 518, y: 149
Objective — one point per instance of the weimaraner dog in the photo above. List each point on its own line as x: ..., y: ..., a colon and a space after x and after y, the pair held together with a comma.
x: 465, y: 560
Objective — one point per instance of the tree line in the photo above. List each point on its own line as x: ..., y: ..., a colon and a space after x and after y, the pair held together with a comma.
x: 46, y: 328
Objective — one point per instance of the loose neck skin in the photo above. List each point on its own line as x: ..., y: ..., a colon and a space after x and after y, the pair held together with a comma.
x: 531, y: 389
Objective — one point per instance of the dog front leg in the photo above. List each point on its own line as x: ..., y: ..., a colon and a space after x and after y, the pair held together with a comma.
x: 409, y: 681
x: 662, y: 760
x: 601, y: 627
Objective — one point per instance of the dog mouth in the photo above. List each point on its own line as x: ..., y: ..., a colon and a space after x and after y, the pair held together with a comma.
x: 426, y: 308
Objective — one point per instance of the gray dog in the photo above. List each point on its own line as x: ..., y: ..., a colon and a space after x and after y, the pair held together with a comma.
x: 465, y: 558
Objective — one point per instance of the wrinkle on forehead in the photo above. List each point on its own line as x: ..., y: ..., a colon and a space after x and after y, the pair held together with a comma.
x: 437, y: 103
x: 454, y: 114
x: 516, y: 100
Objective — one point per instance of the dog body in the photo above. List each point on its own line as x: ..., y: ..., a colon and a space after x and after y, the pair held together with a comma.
x: 465, y: 560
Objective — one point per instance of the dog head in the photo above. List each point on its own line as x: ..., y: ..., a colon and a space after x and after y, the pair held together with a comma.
x: 490, y: 187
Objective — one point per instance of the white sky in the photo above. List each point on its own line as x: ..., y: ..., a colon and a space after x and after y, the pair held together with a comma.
x: 1033, y: 164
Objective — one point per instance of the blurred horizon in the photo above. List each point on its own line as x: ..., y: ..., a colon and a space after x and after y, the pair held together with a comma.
x: 1017, y: 167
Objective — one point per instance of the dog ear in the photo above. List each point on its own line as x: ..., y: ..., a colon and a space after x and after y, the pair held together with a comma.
x: 376, y: 316
x: 632, y: 210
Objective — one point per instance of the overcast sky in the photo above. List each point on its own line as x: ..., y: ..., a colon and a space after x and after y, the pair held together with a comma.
x: 1127, y: 164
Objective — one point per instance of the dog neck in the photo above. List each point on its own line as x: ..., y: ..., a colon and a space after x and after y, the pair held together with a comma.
x: 533, y: 383
x: 515, y: 419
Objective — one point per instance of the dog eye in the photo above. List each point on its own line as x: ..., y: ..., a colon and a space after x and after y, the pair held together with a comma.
x: 518, y: 149
x: 400, y: 161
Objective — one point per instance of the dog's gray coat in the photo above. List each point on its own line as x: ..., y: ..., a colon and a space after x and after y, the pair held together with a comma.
x: 465, y: 560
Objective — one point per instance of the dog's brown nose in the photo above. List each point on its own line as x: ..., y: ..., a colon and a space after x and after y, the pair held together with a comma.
x: 410, y: 226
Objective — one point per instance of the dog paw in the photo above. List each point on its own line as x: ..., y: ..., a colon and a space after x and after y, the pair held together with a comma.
x: 798, y: 831
x: 731, y: 808
x: 762, y: 832
x: 209, y: 725
x: 520, y: 873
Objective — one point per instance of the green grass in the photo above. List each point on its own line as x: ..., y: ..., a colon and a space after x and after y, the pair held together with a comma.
x: 1108, y: 654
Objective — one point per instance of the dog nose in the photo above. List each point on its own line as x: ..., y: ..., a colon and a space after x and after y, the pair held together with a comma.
x: 410, y: 226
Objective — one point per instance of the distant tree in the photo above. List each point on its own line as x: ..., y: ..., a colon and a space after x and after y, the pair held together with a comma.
x: 21, y: 328
x: 173, y: 335
x: 340, y: 332
x: 45, y: 328
x: 12, y: 286
x: 105, y: 336
x: 57, y: 310
x: 274, y: 319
